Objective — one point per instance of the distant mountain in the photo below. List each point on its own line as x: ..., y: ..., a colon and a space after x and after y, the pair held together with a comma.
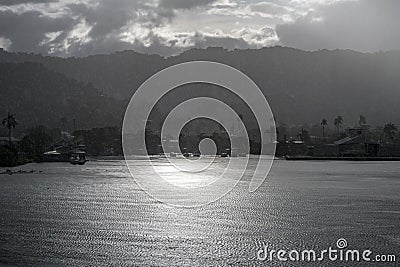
x: 301, y: 87
x: 38, y: 95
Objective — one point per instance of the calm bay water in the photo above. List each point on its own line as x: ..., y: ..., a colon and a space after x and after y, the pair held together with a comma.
x: 96, y: 215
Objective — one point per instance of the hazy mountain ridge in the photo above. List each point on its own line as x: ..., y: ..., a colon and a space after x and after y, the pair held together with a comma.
x: 38, y: 95
x: 301, y: 87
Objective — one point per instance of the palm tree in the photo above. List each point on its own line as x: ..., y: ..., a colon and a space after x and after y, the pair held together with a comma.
x: 304, y: 136
x: 389, y: 130
x: 324, y: 122
x: 362, y: 121
x: 340, y: 119
x: 338, y: 123
x: 10, y: 123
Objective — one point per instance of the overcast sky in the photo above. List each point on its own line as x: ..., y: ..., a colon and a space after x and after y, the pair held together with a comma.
x: 167, y: 27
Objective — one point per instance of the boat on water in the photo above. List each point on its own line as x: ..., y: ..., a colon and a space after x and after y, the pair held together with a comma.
x: 66, y: 150
x: 78, y: 158
x: 224, y: 155
x: 55, y: 156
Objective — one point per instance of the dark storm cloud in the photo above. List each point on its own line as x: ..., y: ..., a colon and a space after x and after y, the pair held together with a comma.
x: 203, y: 41
x: 27, y: 30
x: 104, y: 26
x: 107, y: 17
x: 17, y: 2
x: 365, y: 25
x: 110, y: 16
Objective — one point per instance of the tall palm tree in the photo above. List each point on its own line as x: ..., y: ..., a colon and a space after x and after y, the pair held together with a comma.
x: 362, y: 121
x: 338, y: 123
x: 303, y: 135
x: 340, y: 118
x: 390, y: 130
x: 324, y: 123
x: 10, y: 123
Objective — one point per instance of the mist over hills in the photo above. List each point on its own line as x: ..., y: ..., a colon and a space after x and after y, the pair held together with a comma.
x: 38, y: 95
x: 301, y: 87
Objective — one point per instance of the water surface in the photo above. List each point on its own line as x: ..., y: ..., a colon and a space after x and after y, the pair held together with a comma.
x: 96, y: 215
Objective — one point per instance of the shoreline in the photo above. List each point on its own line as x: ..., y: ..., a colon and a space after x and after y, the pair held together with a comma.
x: 300, y: 158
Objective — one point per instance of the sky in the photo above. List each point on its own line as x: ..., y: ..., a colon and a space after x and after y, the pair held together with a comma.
x: 168, y: 27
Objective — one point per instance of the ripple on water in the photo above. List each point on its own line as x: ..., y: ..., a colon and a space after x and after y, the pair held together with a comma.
x: 97, y: 215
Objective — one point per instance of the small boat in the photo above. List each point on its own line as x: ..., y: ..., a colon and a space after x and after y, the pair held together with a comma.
x: 224, y: 155
x: 55, y: 156
x: 78, y: 158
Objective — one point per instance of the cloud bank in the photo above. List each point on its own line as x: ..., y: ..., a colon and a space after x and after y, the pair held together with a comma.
x: 168, y: 27
x: 366, y: 25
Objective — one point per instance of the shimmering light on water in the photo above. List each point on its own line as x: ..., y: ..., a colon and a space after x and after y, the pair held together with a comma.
x: 96, y: 215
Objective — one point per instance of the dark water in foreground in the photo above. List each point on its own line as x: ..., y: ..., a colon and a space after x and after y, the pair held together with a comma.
x: 96, y: 215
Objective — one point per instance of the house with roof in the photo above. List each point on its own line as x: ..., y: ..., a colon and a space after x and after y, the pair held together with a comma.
x: 357, y: 144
